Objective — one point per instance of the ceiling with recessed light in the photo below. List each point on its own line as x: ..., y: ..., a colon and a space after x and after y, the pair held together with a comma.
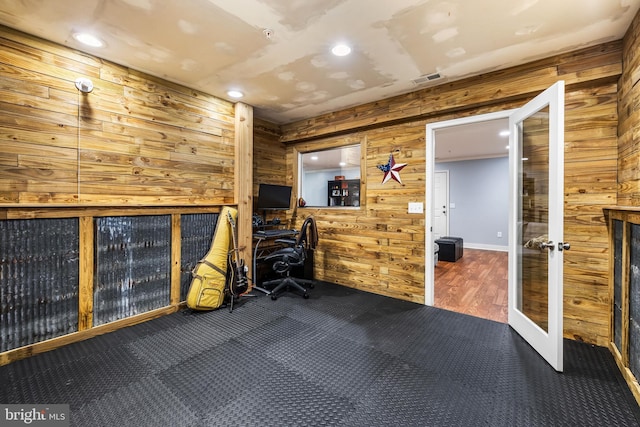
x: 278, y: 52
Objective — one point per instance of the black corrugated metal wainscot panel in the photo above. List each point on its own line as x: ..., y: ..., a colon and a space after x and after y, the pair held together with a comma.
x: 133, y: 266
x: 618, y: 227
x: 634, y: 301
x: 196, y: 231
x: 39, y: 271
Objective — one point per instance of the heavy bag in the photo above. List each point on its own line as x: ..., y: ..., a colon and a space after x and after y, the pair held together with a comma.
x: 207, y: 289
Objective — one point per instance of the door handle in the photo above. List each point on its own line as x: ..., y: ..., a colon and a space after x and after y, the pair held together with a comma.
x: 564, y: 246
x: 547, y: 245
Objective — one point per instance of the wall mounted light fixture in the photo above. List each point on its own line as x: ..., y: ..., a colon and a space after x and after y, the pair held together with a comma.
x: 84, y: 85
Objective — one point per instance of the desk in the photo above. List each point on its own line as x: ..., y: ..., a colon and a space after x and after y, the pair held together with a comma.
x: 260, y: 250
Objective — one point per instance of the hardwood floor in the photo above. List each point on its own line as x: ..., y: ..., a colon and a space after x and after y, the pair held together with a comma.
x: 476, y: 284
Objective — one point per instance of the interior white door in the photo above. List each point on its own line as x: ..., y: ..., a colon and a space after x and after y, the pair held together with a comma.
x: 536, y: 241
x: 441, y: 204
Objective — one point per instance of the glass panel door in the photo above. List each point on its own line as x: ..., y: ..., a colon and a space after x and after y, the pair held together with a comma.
x: 536, y: 223
x: 533, y: 278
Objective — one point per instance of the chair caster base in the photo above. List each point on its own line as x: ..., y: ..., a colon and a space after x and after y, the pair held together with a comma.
x: 274, y: 297
x: 305, y: 296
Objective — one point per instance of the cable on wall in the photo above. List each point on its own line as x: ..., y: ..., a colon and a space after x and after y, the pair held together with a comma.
x: 84, y: 86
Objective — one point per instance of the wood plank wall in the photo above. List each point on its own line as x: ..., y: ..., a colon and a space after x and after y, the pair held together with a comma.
x: 380, y: 247
x: 269, y: 153
x: 629, y: 113
x: 135, y: 145
x: 134, y: 140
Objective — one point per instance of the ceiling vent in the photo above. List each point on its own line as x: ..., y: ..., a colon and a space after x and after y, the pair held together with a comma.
x: 426, y: 79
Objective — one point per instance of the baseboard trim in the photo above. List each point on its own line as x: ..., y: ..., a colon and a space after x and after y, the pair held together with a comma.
x: 485, y: 247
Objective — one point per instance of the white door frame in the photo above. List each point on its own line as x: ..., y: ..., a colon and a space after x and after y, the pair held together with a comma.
x: 429, y: 196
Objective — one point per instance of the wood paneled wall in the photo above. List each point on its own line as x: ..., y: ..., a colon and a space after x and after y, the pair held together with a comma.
x: 269, y: 153
x: 270, y: 165
x: 629, y: 123
x: 380, y: 247
x: 134, y: 140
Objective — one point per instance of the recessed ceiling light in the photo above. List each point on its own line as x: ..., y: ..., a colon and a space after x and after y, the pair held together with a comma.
x: 341, y: 50
x: 342, y: 164
x: 88, y: 39
x: 314, y: 157
x: 235, y: 94
x: 504, y: 133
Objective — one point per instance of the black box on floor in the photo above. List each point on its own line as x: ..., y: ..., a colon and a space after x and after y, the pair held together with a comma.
x: 450, y: 248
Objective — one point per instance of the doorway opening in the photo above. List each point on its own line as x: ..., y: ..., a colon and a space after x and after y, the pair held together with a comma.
x: 474, y: 157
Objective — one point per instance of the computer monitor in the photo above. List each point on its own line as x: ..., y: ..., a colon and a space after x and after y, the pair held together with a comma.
x: 273, y: 197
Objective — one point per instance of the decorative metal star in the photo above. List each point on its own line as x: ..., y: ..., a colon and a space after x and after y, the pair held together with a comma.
x: 392, y: 170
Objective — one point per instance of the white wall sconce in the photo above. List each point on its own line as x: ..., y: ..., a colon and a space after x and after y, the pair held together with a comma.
x: 84, y: 85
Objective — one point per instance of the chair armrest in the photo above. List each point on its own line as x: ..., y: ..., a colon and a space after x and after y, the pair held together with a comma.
x: 280, y: 253
x: 290, y: 242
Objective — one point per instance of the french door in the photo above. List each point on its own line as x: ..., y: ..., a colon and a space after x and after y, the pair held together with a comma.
x: 536, y: 241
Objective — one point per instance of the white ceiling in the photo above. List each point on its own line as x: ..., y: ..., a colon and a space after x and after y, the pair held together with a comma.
x: 480, y: 140
x: 216, y: 45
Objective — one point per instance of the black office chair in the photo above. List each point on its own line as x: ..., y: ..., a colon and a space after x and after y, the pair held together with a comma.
x: 291, y: 257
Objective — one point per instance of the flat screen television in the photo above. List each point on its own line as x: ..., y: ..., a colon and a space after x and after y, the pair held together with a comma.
x: 273, y: 197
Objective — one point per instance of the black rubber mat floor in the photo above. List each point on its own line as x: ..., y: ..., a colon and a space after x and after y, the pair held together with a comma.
x: 341, y: 358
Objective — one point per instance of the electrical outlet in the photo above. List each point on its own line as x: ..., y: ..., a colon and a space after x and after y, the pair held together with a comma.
x: 416, y: 207
x: 499, y: 233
